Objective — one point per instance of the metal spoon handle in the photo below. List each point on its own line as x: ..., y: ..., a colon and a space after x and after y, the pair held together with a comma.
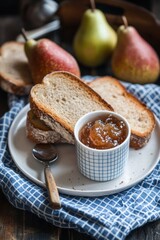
x: 52, y: 188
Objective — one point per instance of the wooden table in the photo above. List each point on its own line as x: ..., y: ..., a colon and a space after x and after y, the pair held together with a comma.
x: 16, y: 224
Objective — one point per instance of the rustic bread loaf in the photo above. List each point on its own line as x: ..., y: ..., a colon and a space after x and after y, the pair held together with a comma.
x: 140, y: 118
x: 61, y: 99
x: 14, y: 71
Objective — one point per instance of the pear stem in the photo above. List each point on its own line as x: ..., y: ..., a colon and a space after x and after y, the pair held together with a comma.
x: 93, y: 7
x: 125, y: 21
x: 24, y: 34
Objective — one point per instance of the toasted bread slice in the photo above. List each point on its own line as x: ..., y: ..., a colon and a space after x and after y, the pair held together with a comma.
x: 61, y: 99
x: 14, y: 71
x: 140, y: 118
x: 37, y: 131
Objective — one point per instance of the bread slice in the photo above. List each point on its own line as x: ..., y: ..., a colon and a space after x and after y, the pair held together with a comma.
x: 14, y: 71
x: 38, y: 132
x: 61, y: 99
x: 140, y: 118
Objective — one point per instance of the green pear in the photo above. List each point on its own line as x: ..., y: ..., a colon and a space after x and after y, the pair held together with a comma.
x: 95, y: 39
x: 45, y: 56
x: 134, y: 59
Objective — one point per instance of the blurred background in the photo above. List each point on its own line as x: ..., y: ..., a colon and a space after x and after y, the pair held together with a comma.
x: 35, y: 13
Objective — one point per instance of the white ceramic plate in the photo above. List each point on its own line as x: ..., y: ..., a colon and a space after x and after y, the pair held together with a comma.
x: 69, y: 180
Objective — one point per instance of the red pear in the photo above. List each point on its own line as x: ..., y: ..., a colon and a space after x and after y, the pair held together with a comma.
x: 45, y: 56
x: 134, y: 59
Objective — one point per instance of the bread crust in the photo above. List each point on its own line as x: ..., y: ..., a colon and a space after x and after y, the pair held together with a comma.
x: 138, y: 139
x: 41, y: 135
x: 138, y: 142
x: 52, y: 123
x: 14, y: 70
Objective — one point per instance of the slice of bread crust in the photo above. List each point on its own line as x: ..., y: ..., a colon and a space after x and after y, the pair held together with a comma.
x: 140, y: 118
x: 38, y: 132
x: 14, y: 70
x: 61, y: 99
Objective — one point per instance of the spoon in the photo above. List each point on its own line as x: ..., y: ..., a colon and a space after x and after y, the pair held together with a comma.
x: 46, y: 153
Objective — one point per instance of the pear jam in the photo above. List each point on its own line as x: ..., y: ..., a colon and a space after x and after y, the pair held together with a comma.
x: 103, y: 133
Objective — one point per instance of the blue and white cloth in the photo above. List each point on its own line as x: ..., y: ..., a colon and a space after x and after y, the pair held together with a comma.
x: 109, y: 217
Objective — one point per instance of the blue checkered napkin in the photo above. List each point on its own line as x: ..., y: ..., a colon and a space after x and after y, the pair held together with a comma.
x: 107, y: 217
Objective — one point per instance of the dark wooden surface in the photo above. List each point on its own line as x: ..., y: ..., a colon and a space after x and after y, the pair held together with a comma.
x: 16, y: 224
